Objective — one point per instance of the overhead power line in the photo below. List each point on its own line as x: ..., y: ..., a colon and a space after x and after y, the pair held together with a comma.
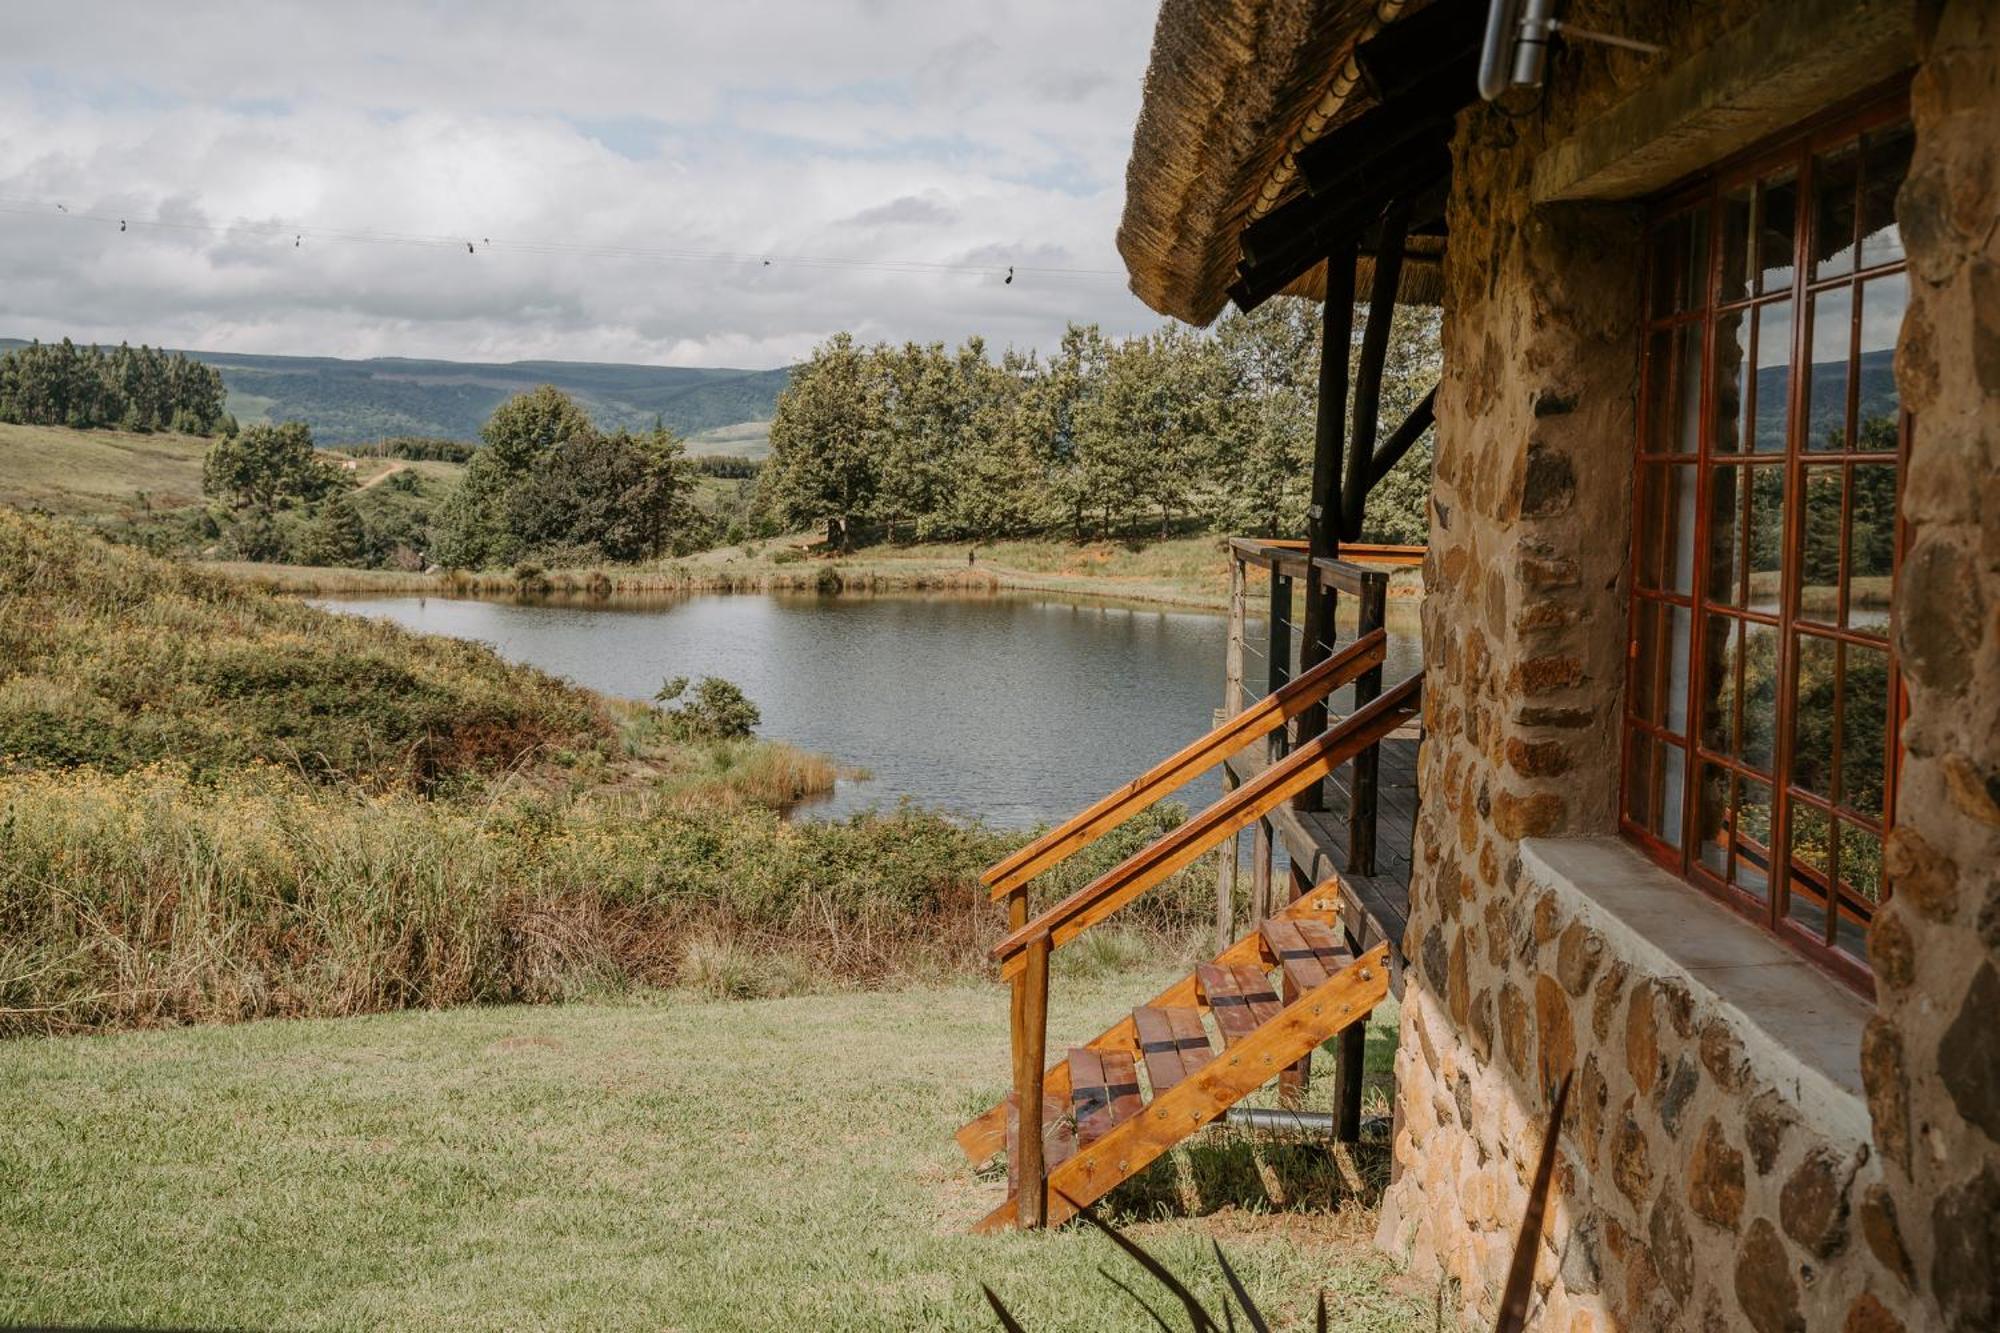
x: 297, y: 234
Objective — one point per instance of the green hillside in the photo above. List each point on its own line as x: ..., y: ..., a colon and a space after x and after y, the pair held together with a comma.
x: 347, y: 401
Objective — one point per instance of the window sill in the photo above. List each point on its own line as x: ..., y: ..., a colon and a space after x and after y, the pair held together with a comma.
x: 1800, y: 1027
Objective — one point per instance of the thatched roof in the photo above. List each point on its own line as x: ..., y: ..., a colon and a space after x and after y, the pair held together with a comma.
x: 1234, y: 90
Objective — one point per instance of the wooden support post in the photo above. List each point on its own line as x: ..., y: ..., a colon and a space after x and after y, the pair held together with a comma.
x: 1347, y: 1075
x: 1030, y: 1019
x: 1365, y: 793
x: 1261, y: 858
x: 1374, y: 352
x: 1294, y: 1080
x: 1323, y: 516
x: 1232, y: 704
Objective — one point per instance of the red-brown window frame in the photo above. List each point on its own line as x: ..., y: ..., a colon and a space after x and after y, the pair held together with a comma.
x: 1879, y: 108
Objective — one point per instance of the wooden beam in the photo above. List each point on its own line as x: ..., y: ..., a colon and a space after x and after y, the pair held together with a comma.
x: 1329, y: 419
x: 1392, y: 449
x: 1374, y: 352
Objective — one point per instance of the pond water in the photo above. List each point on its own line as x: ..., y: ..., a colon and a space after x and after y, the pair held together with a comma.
x: 1014, y: 709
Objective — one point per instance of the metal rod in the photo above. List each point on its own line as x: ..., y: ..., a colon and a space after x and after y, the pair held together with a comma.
x: 1266, y: 1119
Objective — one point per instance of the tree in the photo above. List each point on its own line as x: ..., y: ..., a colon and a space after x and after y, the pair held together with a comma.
x: 261, y: 466
x: 549, y: 484
x: 826, y: 439
x: 338, y: 536
x: 619, y: 497
x: 530, y: 425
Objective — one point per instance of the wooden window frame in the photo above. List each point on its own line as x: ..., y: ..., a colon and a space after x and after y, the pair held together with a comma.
x: 1879, y: 108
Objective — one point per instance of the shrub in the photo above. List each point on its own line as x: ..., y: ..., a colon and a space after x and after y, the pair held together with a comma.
x: 717, y: 711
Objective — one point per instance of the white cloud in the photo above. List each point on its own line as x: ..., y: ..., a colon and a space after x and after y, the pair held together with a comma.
x: 585, y: 141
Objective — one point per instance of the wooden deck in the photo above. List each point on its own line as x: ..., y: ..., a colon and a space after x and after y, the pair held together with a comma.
x: 1377, y: 905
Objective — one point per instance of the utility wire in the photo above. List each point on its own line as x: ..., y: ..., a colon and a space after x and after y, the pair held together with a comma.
x: 473, y: 243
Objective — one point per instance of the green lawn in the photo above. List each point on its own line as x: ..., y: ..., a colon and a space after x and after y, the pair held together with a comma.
x: 667, y: 1164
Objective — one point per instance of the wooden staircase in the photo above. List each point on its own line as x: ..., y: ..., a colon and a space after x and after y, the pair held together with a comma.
x: 1112, y: 1106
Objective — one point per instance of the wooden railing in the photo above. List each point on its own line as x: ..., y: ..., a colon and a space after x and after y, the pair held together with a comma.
x: 1025, y: 951
x: 1365, y: 654
x: 1325, y: 581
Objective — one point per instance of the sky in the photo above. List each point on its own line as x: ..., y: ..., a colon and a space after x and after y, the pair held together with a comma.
x: 305, y: 178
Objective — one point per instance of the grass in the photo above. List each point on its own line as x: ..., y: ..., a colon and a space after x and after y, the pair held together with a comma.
x: 96, y: 471
x: 673, y: 1164
x: 115, y: 660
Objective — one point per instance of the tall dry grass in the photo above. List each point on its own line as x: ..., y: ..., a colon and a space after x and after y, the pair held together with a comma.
x: 148, y: 897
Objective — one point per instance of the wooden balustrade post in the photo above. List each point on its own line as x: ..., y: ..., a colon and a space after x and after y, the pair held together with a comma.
x: 1279, y: 663
x: 1364, y: 800
x: 1294, y: 1080
x: 1261, y: 859
x: 1348, y: 1072
x: 1030, y: 1020
x: 1232, y: 704
x: 1315, y: 634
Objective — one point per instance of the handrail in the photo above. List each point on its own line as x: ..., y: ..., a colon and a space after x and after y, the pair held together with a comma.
x: 1171, y: 774
x: 1253, y: 800
x: 1287, y: 556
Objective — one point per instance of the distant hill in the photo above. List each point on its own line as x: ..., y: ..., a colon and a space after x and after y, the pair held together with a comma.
x: 347, y: 402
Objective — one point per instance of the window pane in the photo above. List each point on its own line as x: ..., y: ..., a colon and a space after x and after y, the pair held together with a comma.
x: 1720, y: 646
x: 1735, y: 244
x: 1725, y: 534
x: 1659, y: 438
x: 1883, y: 301
x: 1639, y: 778
x: 1826, y: 377
x: 1644, y: 690
x: 1671, y: 762
x: 1687, y: 390
x: 1666, y: 531
x: 1777, y: 205
x: 1679, y: 626
x: 1819, y: 544
x: 1680, y: 262
x: 1888, y: 162
x: 1712, y: 820
x: 1835, y: 176
x: 1760, y: 696
x: 1732, y: 351
x: 1871, y: 548
x: 1753, y: 837
x: 1812, y: 716
x: 1864, y: 729
x: 1765, y: 537
x: 1811, y: 857
x: 1774, y: 376
x: 1861, y: 883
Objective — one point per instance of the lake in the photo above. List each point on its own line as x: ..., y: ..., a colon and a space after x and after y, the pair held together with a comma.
x: 1016, y: 709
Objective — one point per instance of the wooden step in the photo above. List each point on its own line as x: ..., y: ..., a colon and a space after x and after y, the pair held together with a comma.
x: 1135, y: 1143
x: 1309, y: 951
x: 1058, y: 1136
x: 1241, y: 999
x: 986, y: 1133
x: 1104, y: 1089
x: 1173, y: 1041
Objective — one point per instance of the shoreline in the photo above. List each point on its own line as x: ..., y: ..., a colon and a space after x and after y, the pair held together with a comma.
x: 714, y: 572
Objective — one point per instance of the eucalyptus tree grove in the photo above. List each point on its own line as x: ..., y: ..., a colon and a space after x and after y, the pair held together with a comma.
x: 1171, y: 431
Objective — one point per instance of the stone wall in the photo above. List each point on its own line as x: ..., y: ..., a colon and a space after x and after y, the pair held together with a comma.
x: 1694, y: 1189
x: 1932, y: 1056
